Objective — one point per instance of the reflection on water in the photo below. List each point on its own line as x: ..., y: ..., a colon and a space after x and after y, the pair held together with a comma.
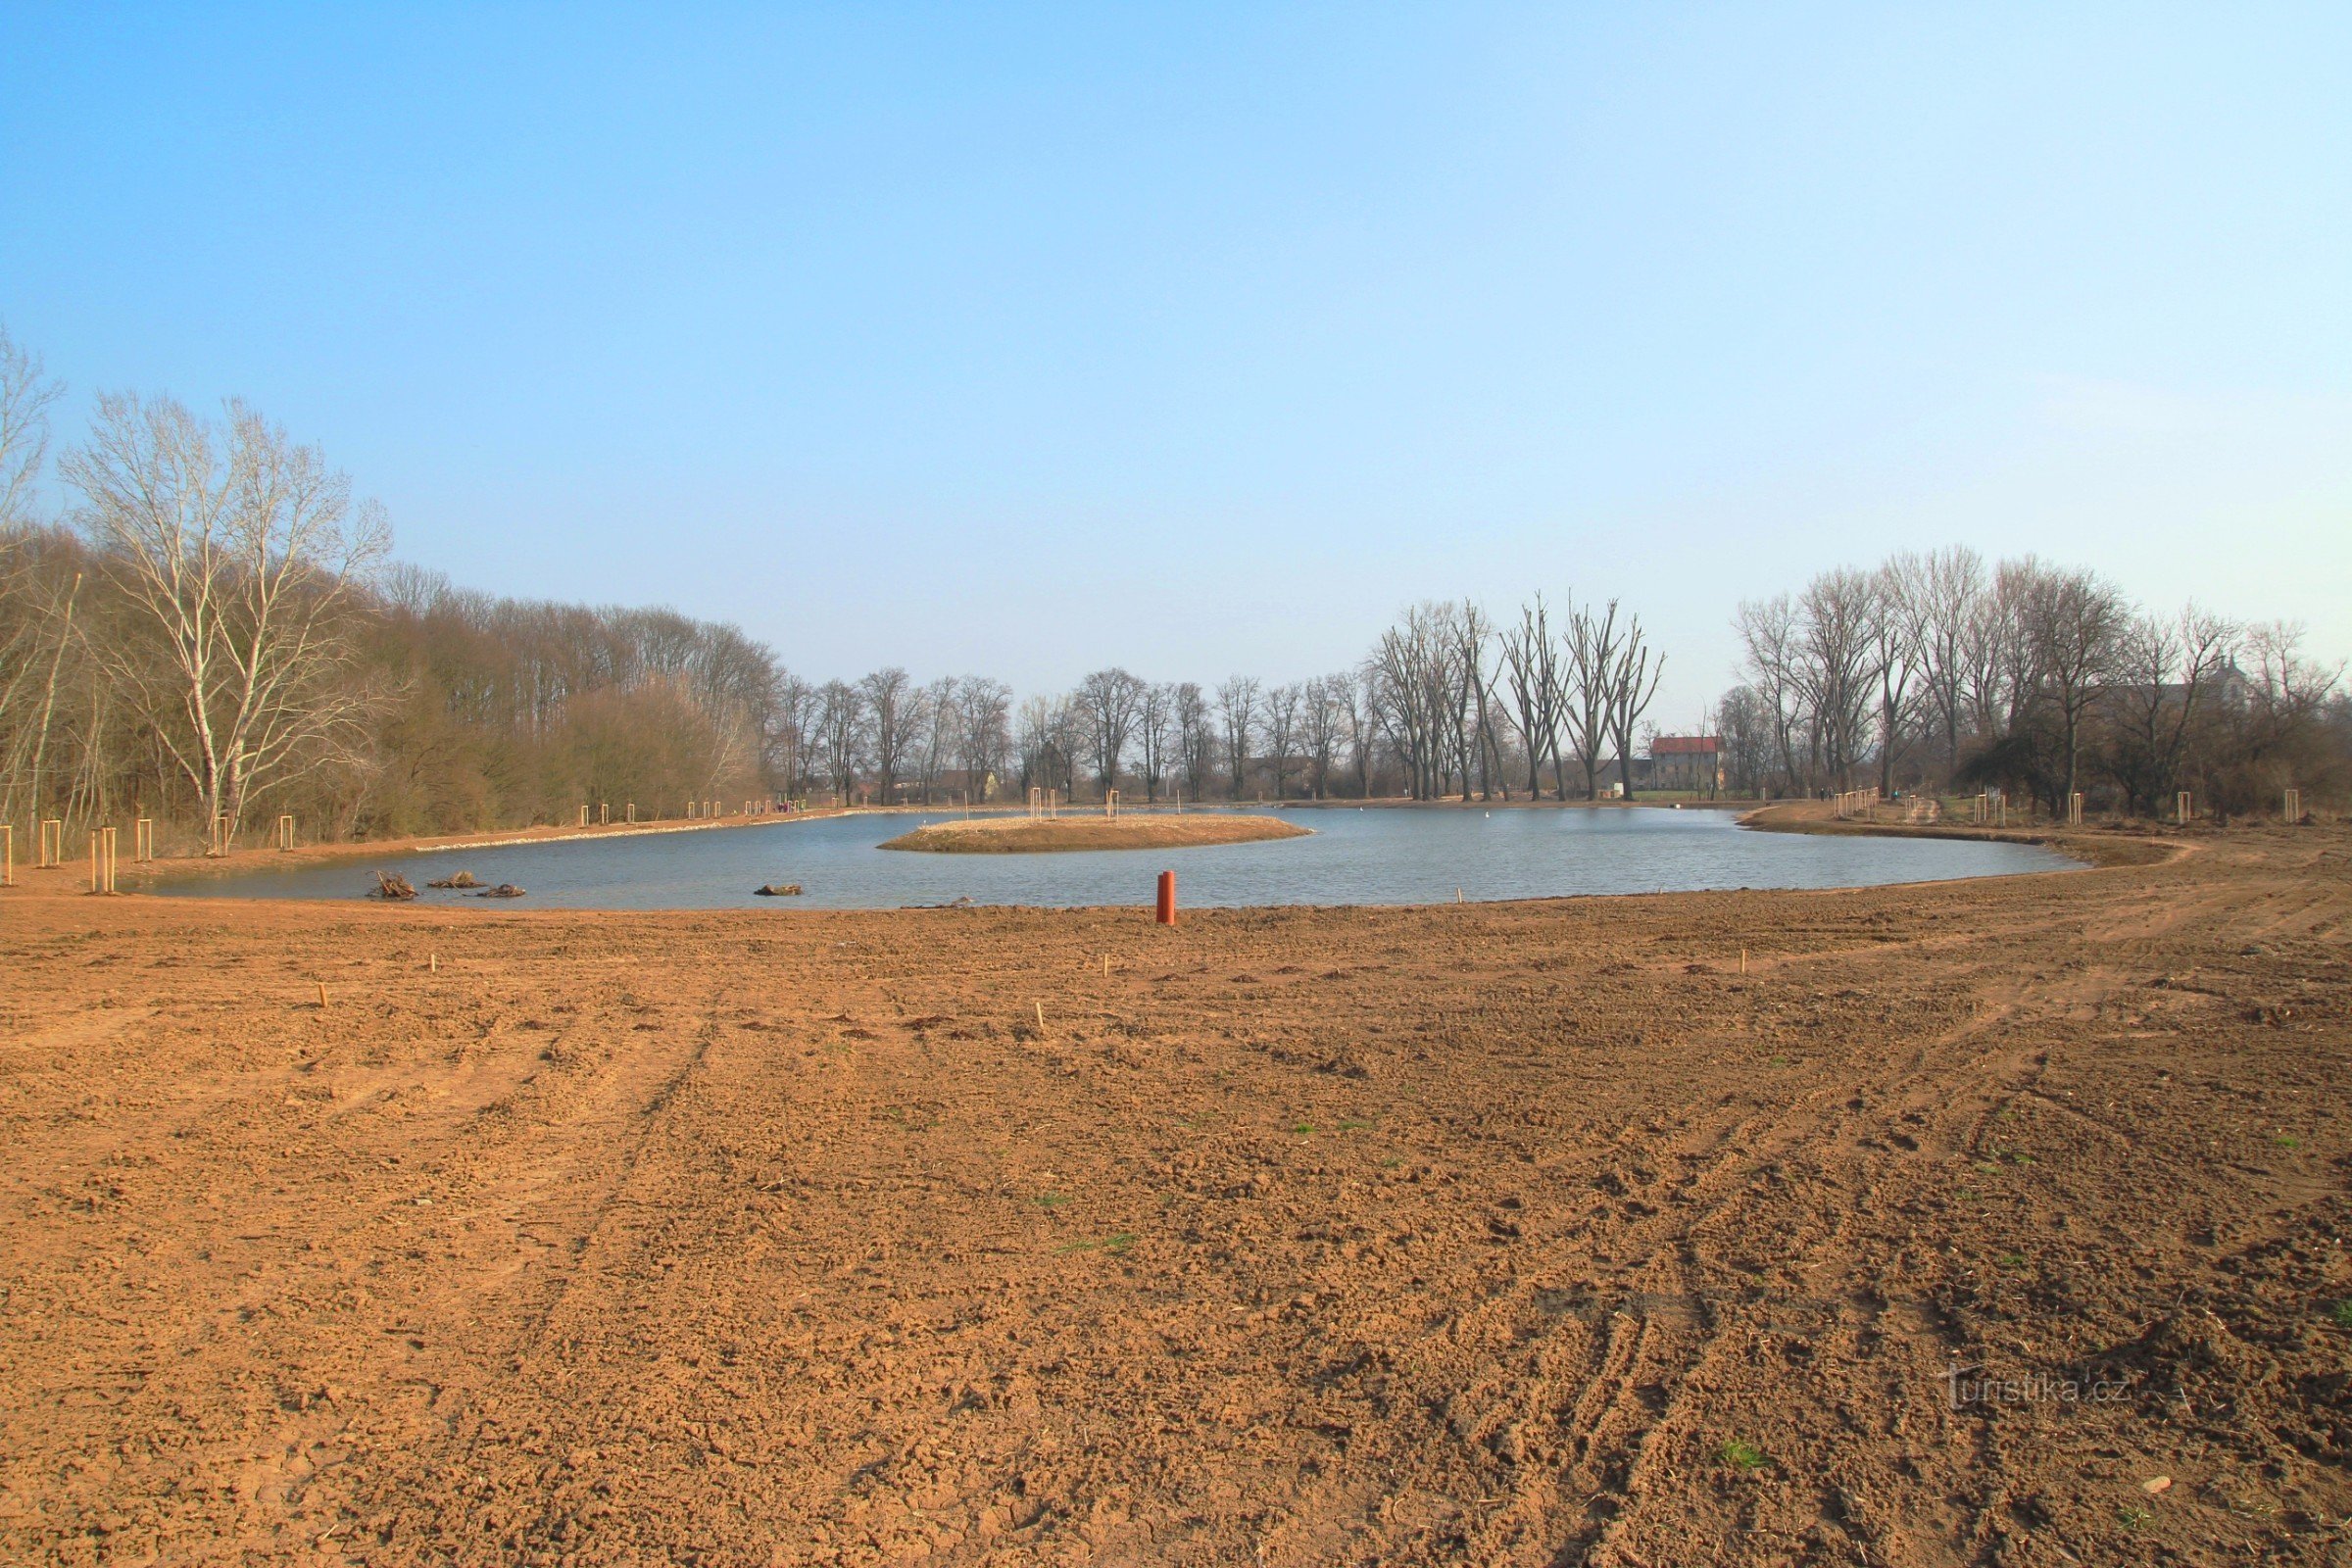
x: 1355, y: 857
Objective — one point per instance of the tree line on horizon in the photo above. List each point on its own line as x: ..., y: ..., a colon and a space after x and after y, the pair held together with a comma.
x: 214, y: 628
x: 1937, y: 671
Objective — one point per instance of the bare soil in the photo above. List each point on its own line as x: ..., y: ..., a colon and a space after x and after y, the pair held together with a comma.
x: 1545, y: 1233
x: 1021, y: 835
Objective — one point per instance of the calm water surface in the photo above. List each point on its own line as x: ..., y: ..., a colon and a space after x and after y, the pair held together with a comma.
x: 1355, y: 857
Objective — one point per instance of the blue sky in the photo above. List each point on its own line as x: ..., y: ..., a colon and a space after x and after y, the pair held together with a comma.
x: 1201, y: 339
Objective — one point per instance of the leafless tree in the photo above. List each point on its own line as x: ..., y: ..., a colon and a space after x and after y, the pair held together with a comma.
x: 2074, y: 620
x: 841, y: 727
x: 1771, y: 640
x: 1415, y: 697
x: 1947, y: 607
x: 2164, y: 673
x: 792, y: 719
x: 1106, y: 702
x: 939, y: 716
x: 1283, y: 705
x: 36, y: 617
x: 1322, y: 718
x: 1533, y: 663
x: 1835, y: 620
x: 1033, y: 741
x: 239, y: 552
x: 1347, y: 690
x: 1473, y: 636
x: 1633, y: 682
x: 1237, y: 711
x: 1154, y: 721
x: 1067, y: 744
x: 1594, y: 644
x: 984, y: 732
x: 1898, y: 589
x: 893, y: 719
x: 27, y: 395
x: 1196, y: 738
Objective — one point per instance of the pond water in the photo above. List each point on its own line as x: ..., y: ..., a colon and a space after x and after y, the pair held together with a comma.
x: 1378, y: 856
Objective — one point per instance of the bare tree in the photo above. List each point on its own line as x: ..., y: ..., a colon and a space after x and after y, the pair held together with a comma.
x: 1769, y: 636
x: 1155, y: 717
x: 2165, y: 672
x: 792, y: 719
x: 1945, y: 610
x: 25, y: 397
x: 1897, y: 590
x: 1594, y: 646
x: 36, y: 620
x: 893, y: 714
x: 1347, y: 692
x: 1282, y: 705
x: 1033, y: 741
x: 841, y: 727
x: 1106, y: 702
x: 1834, y: 670
x: 1633, y: 682
x: 1473, y: 634
x: 2073, y: 621
x: 983, y: 734
x: 941, y: 716
x: 1533, y: 663
x: 1322, y: 718
x: 1415, y: 699
x: 1196, y: 738
x: 239, y: 552
x: 1237, y: 709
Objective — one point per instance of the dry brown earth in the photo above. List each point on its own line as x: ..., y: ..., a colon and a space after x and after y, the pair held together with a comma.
x: 1530, y: 1234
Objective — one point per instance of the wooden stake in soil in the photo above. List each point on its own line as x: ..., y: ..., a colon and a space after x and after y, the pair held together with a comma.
x: 285, y: 833
x: 322, y: 996
x: 432, y: 963
x: 106, y: 850
x: 142, y: 840
x: 51, y: 850
x: 8, y: 856
x: 1040, y: 1019
x: 1742, y: 961
x: 2294, y: 805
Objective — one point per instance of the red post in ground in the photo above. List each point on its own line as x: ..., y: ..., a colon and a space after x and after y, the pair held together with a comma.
x: 1167, y: 914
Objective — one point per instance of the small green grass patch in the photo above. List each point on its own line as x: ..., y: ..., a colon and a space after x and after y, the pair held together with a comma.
x: 1743, y: 1455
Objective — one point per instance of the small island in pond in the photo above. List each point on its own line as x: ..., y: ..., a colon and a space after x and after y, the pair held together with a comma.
x: 1035, y: 835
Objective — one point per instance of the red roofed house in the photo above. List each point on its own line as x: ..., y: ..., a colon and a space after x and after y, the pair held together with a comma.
x: 1685, y: 762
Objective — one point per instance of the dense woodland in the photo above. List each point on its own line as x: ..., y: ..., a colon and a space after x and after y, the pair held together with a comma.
x: 211, y: 627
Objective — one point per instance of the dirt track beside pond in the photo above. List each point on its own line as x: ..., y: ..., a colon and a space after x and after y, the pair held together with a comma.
x: 1530, y: 1233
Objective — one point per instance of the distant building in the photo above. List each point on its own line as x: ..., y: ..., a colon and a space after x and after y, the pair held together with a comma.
x: 1692, y: 762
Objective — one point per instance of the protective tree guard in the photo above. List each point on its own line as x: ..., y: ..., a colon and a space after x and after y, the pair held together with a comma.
x: 1165, y: 914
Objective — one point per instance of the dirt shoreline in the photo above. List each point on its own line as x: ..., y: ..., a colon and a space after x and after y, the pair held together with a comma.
x: 1641, y: 1230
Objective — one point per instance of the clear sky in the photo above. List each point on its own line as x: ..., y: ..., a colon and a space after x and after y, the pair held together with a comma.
x: 1199, y: 338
